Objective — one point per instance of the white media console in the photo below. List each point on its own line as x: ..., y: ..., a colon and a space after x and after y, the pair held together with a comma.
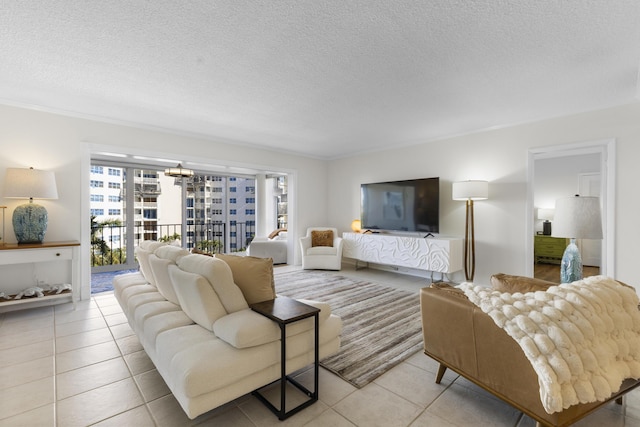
x: 435, y: 254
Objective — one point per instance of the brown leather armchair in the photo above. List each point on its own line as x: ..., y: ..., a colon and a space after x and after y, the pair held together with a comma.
x: 459, y: 336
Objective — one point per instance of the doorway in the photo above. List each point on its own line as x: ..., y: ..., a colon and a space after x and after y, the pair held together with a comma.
x: 586, y: 167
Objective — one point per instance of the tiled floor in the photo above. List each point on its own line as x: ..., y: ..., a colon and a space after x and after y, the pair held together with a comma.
x: 60, y: 367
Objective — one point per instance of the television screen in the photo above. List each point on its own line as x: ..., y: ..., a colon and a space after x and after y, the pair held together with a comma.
x: 410, y: 205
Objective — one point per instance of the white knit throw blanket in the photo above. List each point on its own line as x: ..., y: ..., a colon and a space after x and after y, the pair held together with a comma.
x: 582, y: 338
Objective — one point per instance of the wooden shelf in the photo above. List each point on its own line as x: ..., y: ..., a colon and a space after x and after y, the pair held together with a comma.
x: 49, y: 298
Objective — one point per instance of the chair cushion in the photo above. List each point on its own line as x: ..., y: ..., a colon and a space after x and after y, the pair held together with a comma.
x: 254, y: 276
x: 321, y: 238
x: 322, y: 250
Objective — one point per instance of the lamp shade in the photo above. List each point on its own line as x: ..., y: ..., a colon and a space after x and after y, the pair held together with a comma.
x: 22, y: 183
x: 356, y: 225
x: 545, y: 214
x: 470, y: 190
x: 578, y: 217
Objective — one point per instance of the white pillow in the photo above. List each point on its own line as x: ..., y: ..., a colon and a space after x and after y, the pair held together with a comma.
x: 219, y: 275
x: 197, y: 298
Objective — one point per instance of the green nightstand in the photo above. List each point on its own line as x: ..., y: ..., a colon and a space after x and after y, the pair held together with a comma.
x: 549, y: 249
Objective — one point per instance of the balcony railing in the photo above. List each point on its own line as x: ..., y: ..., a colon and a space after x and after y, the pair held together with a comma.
x: 109, y: 242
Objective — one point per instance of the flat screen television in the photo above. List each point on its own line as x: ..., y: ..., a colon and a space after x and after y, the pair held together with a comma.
x: 410, y: 205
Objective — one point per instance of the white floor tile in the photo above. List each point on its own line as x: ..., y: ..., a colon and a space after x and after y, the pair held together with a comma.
x: 114, y: 399
x: 86, y: 356
x: 90, y: 377
x: 26, y: 372
x: 26, y: 397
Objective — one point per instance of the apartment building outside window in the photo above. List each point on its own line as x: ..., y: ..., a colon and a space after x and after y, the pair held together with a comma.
x: 156, y: 209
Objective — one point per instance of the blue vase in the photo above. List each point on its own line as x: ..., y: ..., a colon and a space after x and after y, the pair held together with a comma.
x: 30, y: 223
x: 571, y: 265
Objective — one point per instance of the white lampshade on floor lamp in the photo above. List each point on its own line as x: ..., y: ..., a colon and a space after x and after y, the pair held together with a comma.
x: 30, y: 219
x: 576, y: 217
x: 470, y: 191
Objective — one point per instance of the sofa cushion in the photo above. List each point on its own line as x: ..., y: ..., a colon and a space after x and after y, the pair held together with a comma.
x: 159, y: 261
x: 197, y: 298
x: 246, y: 328
x: 144, y: 249
x: 321, y: 238
x: 219, y: 275
x: 254, y: 276
x: 511, y: 284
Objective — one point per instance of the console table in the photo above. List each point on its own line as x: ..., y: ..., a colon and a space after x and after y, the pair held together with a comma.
x: 435, y: 254
x: 25, y: 253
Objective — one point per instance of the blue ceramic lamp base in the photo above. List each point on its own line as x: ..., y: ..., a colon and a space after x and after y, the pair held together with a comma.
x: 30, y: 223
x: 571, y: 265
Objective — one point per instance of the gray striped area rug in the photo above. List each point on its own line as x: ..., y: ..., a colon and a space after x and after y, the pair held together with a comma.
x: 381, y: 325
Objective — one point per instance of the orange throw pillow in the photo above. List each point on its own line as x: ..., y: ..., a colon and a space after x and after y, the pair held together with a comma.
x: 321, y: 238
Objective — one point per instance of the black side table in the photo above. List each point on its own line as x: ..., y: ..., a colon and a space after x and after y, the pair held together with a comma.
x: 284, y: 310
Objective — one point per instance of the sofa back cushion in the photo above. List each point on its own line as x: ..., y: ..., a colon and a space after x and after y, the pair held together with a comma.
x: 146, y: 248
x: 159, y: 262
x: 218, y: 274
x: 196, y: 297
x: 254, y: 276
x: 511, y: 284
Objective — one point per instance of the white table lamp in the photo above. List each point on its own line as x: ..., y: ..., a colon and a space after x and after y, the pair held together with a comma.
x: 576, y: 217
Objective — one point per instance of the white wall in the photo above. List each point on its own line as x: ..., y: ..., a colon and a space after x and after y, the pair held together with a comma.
x: 55, y: 142
x: 59, y: 143
x: 500, y: 156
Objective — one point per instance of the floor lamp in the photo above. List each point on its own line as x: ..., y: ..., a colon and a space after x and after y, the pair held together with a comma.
x: 576, y: 218
x: 470, y: 191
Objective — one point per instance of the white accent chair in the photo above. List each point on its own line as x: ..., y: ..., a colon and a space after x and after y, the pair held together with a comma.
x: 321, y: 257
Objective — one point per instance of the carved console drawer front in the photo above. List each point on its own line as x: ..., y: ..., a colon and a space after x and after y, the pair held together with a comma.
x: 442, y: 255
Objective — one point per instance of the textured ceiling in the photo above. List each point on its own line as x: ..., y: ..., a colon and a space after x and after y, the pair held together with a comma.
x: 325, y: 78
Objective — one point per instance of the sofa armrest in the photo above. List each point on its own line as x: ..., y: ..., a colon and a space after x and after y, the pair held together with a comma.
x: 447, y: 327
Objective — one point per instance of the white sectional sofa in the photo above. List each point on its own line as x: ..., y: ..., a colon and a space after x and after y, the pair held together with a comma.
x: 191, y: 313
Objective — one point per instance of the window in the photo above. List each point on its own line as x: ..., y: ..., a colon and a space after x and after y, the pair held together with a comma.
x: 216, y: 190
x: 233, y: 234
x: 233, y: 223
x: 250, y: 211
x: 219, y: 201
x: 232, y: 212
x: 114, y: 198
x: 250, y: 200
x: 114, y: 211
x: 97, y: 184
x: 114, y: 239
x: 114, y: 185
x: 233, y: 178
x: 97, y: 169
x: 232, y: 200
x: 232, y: 189
x: 150, y: 214
x: 251, y: 223
x: 114, y: 172
x: 97, y: 198
x: 216, y: 211
x: 250, y: 189
x: 96, y: 212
